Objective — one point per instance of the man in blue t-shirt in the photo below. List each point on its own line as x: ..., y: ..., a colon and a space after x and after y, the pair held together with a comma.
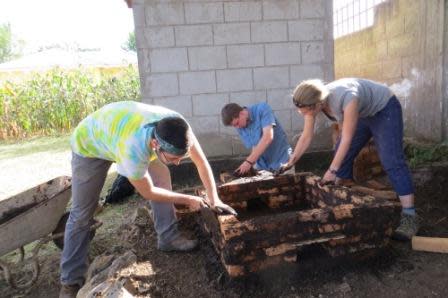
x: 260, y: 131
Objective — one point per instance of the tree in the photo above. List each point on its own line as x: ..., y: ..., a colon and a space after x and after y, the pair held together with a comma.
x: 5, y: 43
x: 9, y: 49
x: 130, y: 44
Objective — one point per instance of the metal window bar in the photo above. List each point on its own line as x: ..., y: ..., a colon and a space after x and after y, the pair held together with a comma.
x: 353, y: 15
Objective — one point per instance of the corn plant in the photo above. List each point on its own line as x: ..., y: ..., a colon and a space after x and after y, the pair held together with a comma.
x: 55, y: 101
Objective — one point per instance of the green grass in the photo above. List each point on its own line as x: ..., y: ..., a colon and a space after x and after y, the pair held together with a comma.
x: 419, y: 154
x: 12, y: 149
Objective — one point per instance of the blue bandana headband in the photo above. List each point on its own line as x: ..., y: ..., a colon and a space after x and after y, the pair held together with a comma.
x: 164, y: 145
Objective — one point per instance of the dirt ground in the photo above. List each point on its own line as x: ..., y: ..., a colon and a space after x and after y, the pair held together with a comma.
x: 397, y: 271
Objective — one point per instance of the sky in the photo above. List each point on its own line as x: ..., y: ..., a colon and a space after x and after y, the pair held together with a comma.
x: 103, y: 24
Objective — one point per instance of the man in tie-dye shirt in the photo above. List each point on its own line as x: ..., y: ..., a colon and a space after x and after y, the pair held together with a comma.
x: 142, y: 140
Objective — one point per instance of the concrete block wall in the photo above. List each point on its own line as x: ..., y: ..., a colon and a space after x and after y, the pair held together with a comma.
x: 404, y: 49
x: 197, y: 55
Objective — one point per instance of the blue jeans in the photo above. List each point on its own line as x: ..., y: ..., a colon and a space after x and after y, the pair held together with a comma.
x: 88, y: 176
x: 386, y: 128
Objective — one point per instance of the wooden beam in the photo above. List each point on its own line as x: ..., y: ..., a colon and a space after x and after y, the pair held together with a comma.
x: 430, y: 244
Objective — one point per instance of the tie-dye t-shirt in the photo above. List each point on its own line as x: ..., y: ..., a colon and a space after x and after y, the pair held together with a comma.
x: 116, y: 132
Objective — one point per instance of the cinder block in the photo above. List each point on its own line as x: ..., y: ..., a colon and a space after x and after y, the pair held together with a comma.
x: 411, y: 22
x: 269, y: 31
x: 197, y: 82
x: 283, y: 53
x: 312, y: 52
x: 280, y: 9
x: 280, y: 99
x: 157, y: 85
x: 409, y: 66
x: 306, y: 30
x: 234, y: 80
x: 209, y: 104
x: 194, y: 35
x: 271, y: 77
x: 284, y: 117
x: 381, y: 47
x: 367, y: 55
x: 144, y: 65
x: 204, y: 13
x: 140, y: 38
x: 402, y: 45
x: 248, y: 98
x: 169, y: 60
x: 304, y: 72
x: 138, y: 11
x: 164, y: 13
x: 215, y: 145
x: 395, y: 26
x: 238, y: 147
x: 159, y: 37
x: 328, y: 72
x: 227, y: 130
x: 245, y: 56
x: 392, y: 68
x: 371, y: 70
x: 322, y: 134
x: 231, y: 33
x: 207, y: 125
x: 313, y: 8
x: 297, y: 122
x: 203, y: 58
x: 147, y: 100
x: 181, y: 104
x: 242, y: 11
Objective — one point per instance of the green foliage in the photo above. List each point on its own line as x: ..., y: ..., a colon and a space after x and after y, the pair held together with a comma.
x: 5, y: 43
x: 54, y: 102
x: 418, y: 154
x: 130, y: 44
x: 9, y: 48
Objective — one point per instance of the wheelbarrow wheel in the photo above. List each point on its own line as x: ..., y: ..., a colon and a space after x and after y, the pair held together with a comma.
x: 60, y: 229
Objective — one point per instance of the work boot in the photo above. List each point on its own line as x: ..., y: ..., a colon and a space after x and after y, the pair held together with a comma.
x: 408, y: 227
x: 69, y: 291
x: 179, y: 243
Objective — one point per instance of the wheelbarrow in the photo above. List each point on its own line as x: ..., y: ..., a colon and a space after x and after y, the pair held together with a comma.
x: 36, y: 214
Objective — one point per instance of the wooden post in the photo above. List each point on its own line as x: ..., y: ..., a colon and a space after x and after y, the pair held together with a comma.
x: 430, y: 244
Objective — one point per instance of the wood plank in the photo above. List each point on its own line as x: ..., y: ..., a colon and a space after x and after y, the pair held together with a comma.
x: 430, y: 244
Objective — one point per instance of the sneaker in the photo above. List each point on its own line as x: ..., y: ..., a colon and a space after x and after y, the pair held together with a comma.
x: 69, y: 291
x: 179, y: 243
x: 408, y: 228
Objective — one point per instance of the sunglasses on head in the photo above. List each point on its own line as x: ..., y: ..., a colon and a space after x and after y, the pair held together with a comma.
x: 301, y: 105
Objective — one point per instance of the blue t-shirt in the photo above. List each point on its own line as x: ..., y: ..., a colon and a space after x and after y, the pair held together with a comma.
x: 277, y: 153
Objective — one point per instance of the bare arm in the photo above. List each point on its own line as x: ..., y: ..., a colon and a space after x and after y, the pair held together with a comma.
x: 148, y: 191
x: 304, y: 140
x: 205, y: 171
x: 266, y: 139
x: 351, y: 116
x: 206, y: 175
